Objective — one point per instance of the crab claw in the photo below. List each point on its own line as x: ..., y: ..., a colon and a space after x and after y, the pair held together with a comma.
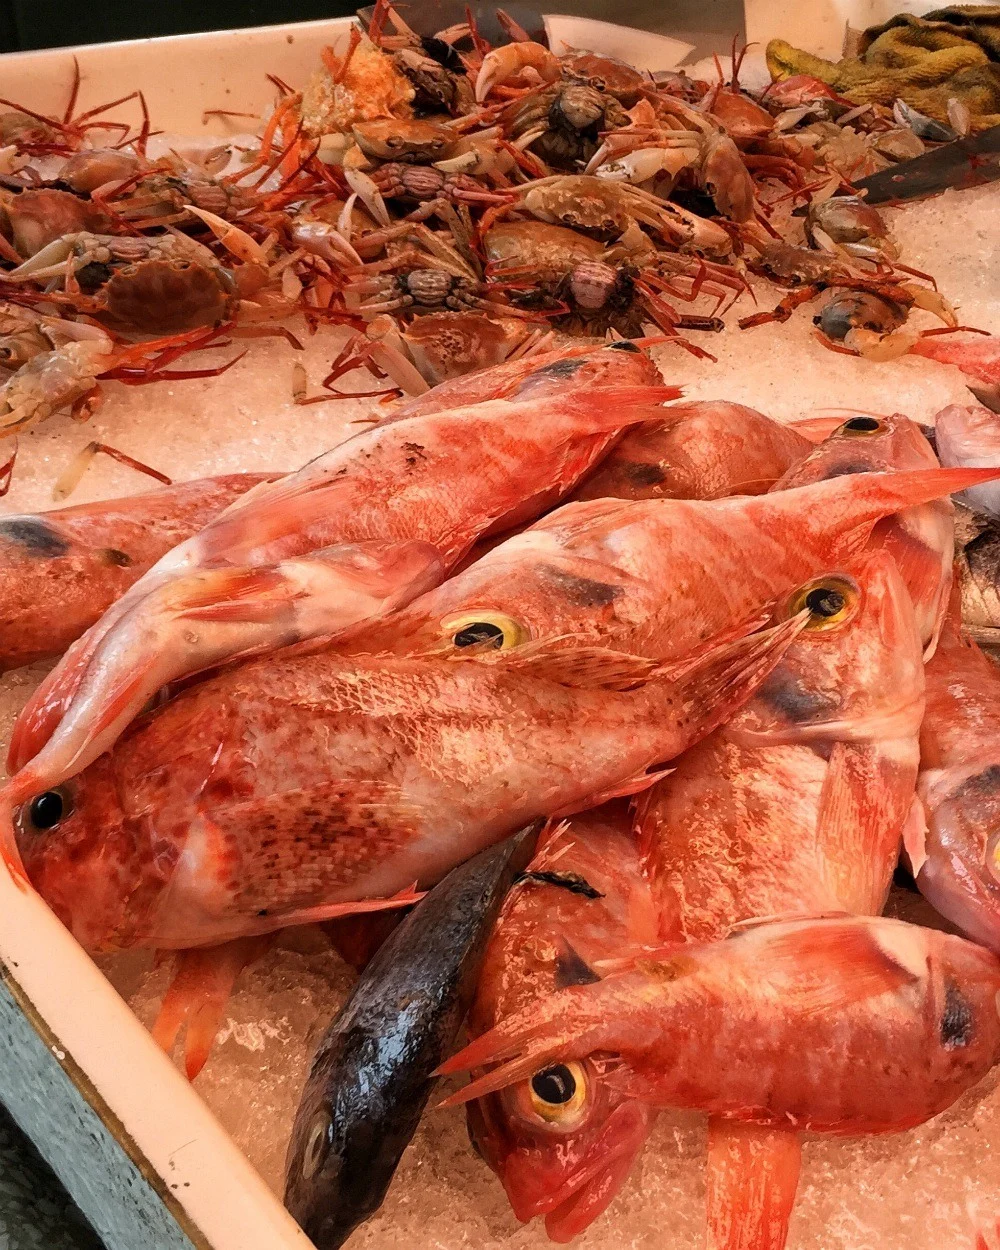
x: 368, y: 194
x: 512, y: 59
x: 232, y: 238
x: 53, y: 254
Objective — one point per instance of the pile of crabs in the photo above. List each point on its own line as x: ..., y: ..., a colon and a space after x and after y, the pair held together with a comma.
x: 456, y: 205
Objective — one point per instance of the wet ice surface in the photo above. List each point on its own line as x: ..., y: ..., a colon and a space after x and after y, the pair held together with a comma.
x: 915, y: 1191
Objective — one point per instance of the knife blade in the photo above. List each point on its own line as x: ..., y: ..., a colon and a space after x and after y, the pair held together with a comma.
x: 970, y: 161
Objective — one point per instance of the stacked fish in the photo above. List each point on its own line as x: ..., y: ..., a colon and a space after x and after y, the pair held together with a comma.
x: 646, y: 697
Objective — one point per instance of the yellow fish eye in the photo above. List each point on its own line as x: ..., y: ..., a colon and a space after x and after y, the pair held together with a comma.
x: 861, y: 427
x: 830, y: 601
x: 559, y: 1093
x: 488, y: 630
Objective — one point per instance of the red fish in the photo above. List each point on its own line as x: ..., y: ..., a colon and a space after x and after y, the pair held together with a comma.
x: 955, y: 857
x: 785, y: 1024
x: 796, y: 805
x: 562, y: 1141
x: 920, y: 539
x: 708, y: 450
x: 60, y: 570
x: 393, y: 483
x: 294, y: 789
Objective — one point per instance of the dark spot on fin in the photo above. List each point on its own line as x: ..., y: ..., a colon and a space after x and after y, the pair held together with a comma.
x: 986, y: 783
x: 112, y: 555
x: 846, y: 468
x: 568, y: 880
x: 572, y: 969
x: 956, y: 1022
x: 33, y: 534
x: 623, y: 345
x: 643, y: 473
x: 558, y: 369
x: 584, y: 591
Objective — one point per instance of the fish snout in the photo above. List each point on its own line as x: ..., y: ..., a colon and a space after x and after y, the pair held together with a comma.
x: 572, y: 1180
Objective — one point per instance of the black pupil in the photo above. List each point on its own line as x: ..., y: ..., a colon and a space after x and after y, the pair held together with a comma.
x: 865, y: 424
x: 824, y: 602
x: 479, y: 631
x: 554, y: 1085
x: 47, y: 809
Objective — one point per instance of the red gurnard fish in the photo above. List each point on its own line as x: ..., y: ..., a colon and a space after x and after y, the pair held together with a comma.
x: 60, y: 570
x: 715, y: 449
x: 920, y: 539
x: 651, y: 577
x: 563, y: 1141
x: 955, y: 855
x: 393, y: 483
x: 295, y: 788
x: 797, y: 804
x: 786, y: 1024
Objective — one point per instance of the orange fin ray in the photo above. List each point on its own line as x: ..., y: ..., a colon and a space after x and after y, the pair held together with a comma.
x: 752, y: 1175
x: 197, y: 996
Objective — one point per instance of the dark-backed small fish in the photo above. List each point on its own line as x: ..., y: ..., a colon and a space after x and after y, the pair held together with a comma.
x: 372, y: 1074
x: 977, y: 568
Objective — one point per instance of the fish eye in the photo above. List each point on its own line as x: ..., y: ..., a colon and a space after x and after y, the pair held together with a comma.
x: 830, y: 601
x: 317, y: 1146
x: 46, y: 810
x: 488, y: 630
x: 861, y: 427
x: 559, y: 1093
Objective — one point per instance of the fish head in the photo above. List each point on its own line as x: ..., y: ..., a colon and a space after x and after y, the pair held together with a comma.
x: 96, y: 868
x: 865, y: 442
x: 957, y: 863
x: 969, y: 435
x: 526, y: 590
x: 858, y: 661
x: 920, y: 539
x: 562, y: 1142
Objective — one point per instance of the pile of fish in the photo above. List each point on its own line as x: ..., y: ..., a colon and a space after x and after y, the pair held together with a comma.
x: 630, y: 703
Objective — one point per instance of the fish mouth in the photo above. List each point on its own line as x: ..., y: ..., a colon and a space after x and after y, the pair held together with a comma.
x: 591, y: 1186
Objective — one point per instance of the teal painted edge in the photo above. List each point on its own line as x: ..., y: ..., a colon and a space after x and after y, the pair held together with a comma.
x: 121, y: 1205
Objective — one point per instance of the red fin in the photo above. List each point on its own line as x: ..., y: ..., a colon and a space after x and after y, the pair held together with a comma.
x: 891, y: 492
x: 853, y: 816
x: 591, y: 668
x: 915, y: 836
x: 197, y: 997
x: 631, y: 785
x: 334, y: 911
x: 826, y: 966
x: 43, y: 711
x: 752, y: 1176
x: 241, y: 594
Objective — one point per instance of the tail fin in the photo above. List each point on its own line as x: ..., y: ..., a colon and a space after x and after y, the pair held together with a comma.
x: 752, y: 1176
